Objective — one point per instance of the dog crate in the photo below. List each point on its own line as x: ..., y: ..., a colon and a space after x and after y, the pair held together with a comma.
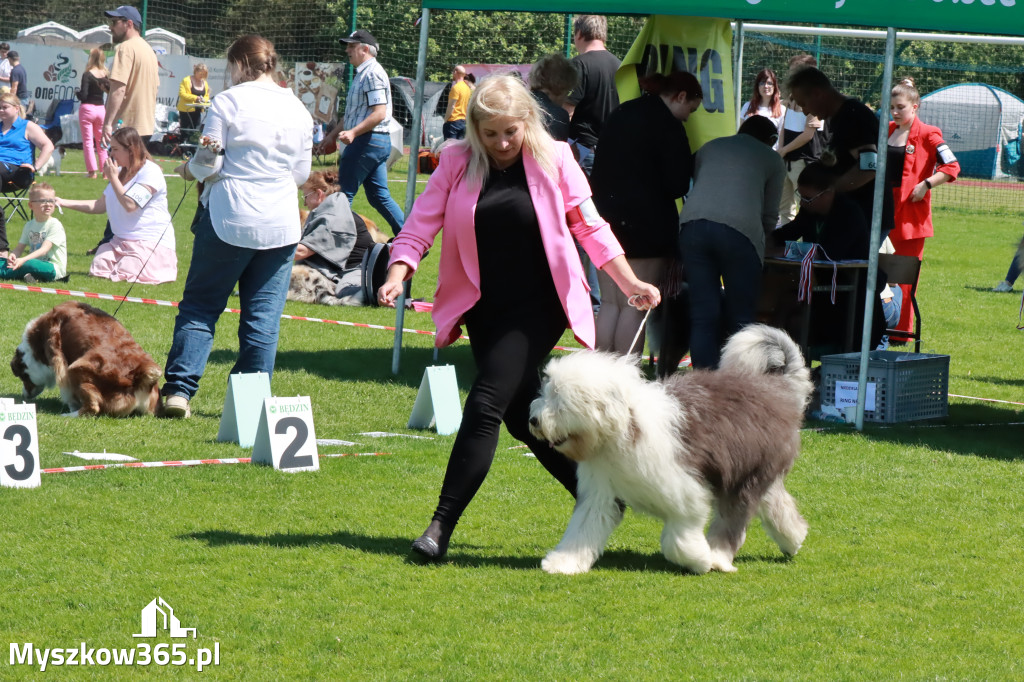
x: 907, y: 386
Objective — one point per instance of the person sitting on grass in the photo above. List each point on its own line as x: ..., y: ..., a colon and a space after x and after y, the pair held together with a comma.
x: 329, y: 258
x: 135, y: 200
x: 43, y: 238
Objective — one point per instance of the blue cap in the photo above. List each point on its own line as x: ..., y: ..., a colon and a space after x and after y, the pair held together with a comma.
x: 126, y: 12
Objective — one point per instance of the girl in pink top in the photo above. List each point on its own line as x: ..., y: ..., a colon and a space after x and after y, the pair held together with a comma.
x: 510, y: 200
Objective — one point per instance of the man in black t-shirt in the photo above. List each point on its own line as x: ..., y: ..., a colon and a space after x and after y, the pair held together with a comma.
x: 594, y: 96
x: 851, y: 148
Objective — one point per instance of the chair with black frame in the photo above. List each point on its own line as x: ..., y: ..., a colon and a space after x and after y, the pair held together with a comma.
x: 50, y: 123
x: 904, y: 270
x: 15, y: 199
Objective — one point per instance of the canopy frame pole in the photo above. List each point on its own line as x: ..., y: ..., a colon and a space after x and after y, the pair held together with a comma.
x: 876, y: 225
x: 410, y: 185
x: 737, y: 72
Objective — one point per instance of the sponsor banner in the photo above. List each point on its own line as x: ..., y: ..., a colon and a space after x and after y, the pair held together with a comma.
x: 698, y: 45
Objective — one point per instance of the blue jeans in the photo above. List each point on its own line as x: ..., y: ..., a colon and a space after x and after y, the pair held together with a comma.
x: 713, y: 253
x: 364, y: 162
x: 262, y: 276
x: 454, y: 130
x: 891, y: 309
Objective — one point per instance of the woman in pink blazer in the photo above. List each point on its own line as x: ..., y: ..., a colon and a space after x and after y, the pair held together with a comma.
x: 920, y: 160
x: 510, y: 200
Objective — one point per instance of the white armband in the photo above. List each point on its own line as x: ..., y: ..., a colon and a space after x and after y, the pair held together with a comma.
x: 585, y: 213
x: 868, y: 161
x: 945, y: 154
x: 140, y: 194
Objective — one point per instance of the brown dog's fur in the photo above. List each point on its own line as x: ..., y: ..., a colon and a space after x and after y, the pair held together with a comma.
x: 97, y: 365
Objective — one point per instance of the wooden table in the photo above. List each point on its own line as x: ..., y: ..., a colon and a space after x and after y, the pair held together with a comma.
x: 778, y: 305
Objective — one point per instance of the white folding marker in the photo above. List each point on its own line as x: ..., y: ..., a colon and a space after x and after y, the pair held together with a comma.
x: 437, y: 402
x: 285, y: 438
x: 19, y: 447
x: 242, y: 405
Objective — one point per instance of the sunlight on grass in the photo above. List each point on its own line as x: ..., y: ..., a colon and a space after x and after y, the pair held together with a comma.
x: 911, y: 569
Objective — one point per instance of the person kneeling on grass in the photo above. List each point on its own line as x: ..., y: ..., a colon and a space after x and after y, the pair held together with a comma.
x: 43, y: 238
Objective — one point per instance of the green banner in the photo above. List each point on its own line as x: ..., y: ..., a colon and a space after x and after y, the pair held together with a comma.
x: 996, y: 17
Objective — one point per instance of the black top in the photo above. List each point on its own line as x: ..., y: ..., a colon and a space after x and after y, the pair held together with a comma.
x: 364, y: 240
x: 19, y: 74
x: 594, y: 96
x: 852, y: 127
x: 92, y: 89
x: 894, y: 166
x: 514, y: 270
x: 642, y: 166
x: 811, y: 150
x: 556, y: 119
x: 842, y: 232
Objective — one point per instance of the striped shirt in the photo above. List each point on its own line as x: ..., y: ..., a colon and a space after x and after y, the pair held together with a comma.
x: 370, y: 87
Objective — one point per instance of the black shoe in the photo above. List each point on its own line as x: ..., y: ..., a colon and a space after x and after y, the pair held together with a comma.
x: 433, y: 544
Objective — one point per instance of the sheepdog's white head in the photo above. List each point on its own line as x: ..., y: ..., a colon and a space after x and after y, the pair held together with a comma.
x: 586, y: 403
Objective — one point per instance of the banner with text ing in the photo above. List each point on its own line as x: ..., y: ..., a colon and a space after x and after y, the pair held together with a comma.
x: 699, y: 45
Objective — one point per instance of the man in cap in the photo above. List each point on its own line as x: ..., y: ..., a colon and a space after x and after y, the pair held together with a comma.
x: 134, y: 76
x: 364, y: 129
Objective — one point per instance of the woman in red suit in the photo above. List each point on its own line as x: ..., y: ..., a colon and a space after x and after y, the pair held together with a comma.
x: 918, y: 161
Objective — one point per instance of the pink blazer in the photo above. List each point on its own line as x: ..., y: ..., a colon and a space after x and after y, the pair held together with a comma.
x: 449, y: 202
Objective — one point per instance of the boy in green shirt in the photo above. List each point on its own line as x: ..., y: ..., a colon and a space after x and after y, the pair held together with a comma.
x: 44, y: 239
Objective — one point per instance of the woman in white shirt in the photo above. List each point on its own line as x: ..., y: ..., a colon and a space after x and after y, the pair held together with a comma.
x: 766, y: 101
x: 142, y: 248
x: 257, y: 150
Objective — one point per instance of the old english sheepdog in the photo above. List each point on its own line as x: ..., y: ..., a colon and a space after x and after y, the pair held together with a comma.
x: 706, y: 443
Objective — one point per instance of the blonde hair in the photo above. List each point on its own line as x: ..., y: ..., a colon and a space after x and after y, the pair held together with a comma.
x: 38, y: 188
x: 11, y: 98
x: 200, y: 68
x: 97, y: 59
x: 906, y: 88
x: 505, y: 95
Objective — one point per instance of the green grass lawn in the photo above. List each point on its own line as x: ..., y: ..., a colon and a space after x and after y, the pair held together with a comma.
x: 911, y: 569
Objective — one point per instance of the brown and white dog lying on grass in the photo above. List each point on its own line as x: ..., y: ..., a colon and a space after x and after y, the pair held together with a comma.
x: 706, y: 443
x: 91, y: 358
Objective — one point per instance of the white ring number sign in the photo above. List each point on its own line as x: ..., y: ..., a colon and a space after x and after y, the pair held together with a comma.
x: 19, y: 447
x: 285, y: 438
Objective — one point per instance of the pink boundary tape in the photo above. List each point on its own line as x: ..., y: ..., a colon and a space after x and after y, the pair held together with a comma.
x: 184, y: 463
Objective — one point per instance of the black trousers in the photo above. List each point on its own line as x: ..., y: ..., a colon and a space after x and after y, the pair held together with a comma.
x: 509, y: 347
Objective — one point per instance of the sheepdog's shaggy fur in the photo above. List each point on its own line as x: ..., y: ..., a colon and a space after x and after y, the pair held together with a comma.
x: 707, y: 443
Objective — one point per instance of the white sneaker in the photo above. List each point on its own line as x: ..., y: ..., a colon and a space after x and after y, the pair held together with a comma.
x: 1003, y: 287
x: 177, y: 407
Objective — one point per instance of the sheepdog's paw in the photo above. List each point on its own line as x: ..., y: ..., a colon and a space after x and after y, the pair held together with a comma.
x: 565, y: 563
x: 721, y: 561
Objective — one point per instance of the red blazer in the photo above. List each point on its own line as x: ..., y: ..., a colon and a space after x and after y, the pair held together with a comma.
x: 449, y: 202
x: 914, y: 219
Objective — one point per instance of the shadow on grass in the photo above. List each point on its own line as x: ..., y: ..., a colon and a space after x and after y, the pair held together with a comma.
x: 461, y: 555
x: 995, y: 381
x: 973, y: 430
x: 367, y: 364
